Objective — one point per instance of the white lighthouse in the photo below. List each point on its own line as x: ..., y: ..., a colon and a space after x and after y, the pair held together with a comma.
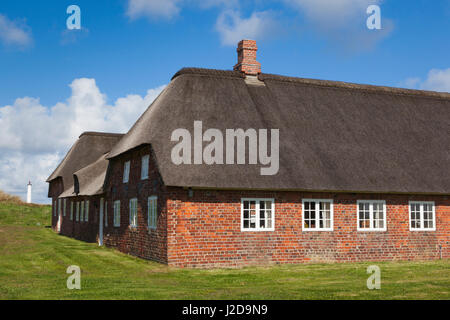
x: 29, y: 192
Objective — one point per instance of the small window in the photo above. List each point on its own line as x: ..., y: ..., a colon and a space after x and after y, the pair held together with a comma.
x: 106, y: 213
x: 126, y: 172
x: 152, y: 213
x: 82, y: 205
x: 117, y: 213
x: 422, y: 216
x: 371, y: 215
x: 64, y: 207
x: 257, y: 214
x: 77, y: 214
x: 317, y: 215
x: 86, y: 213
x: 55, y: 207
x: 133, y: 213
x: 59, y: 207
x: 144, y: 167
x: 71, y: 210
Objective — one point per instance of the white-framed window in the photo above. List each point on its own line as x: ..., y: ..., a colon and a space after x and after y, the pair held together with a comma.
x: 422, y: 216
x: 82, y: 206
x: 86, y: 212
x: 133, y: 213
x: 117, y: 213
x: 126, y: 172
x: 77, y: 214
x: 371, y: 215
x: 64, y: 207
x: 59, y: 207
x: 71, y: 210
x: 257, y: 214
x: 152, y: 212
x: 317, y: 214
x: 144, y: 167
x: 106, y: 213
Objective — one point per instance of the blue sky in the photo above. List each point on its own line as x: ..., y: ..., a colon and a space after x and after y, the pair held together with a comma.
x: 128, y: 50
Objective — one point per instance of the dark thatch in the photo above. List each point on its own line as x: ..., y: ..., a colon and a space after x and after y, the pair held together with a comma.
x: 334, y: 136
x: 87, y: 149
x: 89, y: 181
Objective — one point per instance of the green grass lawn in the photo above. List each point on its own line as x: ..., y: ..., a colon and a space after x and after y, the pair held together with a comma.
x: 33, y: 263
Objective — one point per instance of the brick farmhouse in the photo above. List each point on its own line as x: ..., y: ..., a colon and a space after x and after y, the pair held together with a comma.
x: 362, y: 173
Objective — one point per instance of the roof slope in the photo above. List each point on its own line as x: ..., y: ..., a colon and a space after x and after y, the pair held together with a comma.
x: 86, y: 150
x: 90, y: 179
x: 334, y: 136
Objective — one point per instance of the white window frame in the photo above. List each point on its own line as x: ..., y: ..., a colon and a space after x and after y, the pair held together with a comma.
x: 258, y: 228
x: 152, y: 212
x: 116, y: 217
x: 126, y: 171
x: 86, y: 211
x: 64, y: 208
x: 71, y: 210
x: 82, y: 206
x: 421, y: 203
x: 371, y: 220
x: 55, y: 208
x: 133, y: 212
x: 145, y: 161
x: 317, y: 207
x: 106, y: 213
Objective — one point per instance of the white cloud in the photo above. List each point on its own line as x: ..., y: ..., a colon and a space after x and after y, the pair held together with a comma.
x: 343, y: 22
x: 36, y: 137
x: 14, y: 33
x: 331, y: 13
x: 437, y: 80
x: 166, y: 9
x: 232, y: 28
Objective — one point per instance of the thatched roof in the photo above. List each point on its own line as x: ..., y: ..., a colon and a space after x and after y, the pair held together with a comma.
x: 89, y: 180
x: 86, y: 150
x: 334, y: 136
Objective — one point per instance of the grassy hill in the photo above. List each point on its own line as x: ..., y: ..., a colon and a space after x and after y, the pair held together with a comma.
x: 34, y: 259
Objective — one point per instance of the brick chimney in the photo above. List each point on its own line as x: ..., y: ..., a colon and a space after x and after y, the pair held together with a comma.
x: 247, y: 58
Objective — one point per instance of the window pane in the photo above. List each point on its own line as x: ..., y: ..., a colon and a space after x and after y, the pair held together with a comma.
x: 249, y: 218
x: 364, y: 215
x: 415, y: 216
x: 310, y: 215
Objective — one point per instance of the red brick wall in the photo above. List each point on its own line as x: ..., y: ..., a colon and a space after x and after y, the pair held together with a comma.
x: 81, y: 230
x: 205, y: 231
x: 141, y: 241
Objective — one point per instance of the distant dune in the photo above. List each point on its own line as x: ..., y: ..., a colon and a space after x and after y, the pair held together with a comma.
x: 4, y: 197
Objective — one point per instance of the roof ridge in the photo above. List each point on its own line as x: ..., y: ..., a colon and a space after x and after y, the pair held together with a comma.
x: 96, y: 133
x: 357, y: 86
x: 317, y: 82
x: 209, y: 72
